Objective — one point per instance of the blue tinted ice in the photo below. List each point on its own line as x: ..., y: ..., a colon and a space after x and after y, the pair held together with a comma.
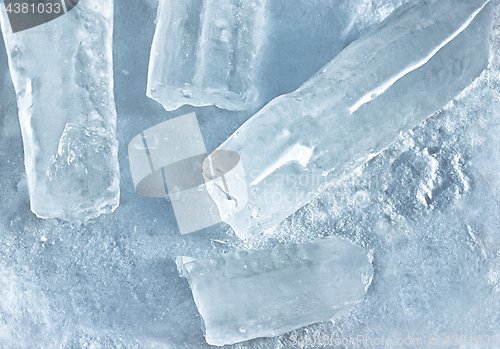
x: 380, y: 86
x: 63, y: 75
x: 205, y: 52
x: 265, y: 293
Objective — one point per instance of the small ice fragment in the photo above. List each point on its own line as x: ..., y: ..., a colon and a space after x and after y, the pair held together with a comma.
x: 380, y: 86
x: 249, y: 294
x: 62, y: 72
x: 204, y: 53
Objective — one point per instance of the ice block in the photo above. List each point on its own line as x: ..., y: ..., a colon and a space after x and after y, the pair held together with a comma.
x: 62, y: 72
x: 265, y: 293
x: 204, y: 53
x: 382, y: 85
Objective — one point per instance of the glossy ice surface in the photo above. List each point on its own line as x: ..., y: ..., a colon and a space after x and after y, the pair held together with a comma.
x: 207, y: 52
x: 265, y: 293
x: 63, y: 75
x: 380, y: 86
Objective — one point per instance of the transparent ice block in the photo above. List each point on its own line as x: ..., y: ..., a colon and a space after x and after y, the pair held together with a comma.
x: 62, y: 72
x: 265, y: 293
x: 204, y: 52
x: 380, y: 86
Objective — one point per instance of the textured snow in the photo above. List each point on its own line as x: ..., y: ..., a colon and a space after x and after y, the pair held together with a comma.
x: 62, y: 72
x: 428, y: 207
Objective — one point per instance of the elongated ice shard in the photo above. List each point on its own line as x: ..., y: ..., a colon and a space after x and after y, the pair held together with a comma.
x: 380, y: 86
x: 204, y: 53
x: 249, y: 294
x: 63, y: 75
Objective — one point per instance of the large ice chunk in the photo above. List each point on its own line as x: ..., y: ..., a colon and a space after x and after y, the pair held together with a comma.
x: 249, y: 294
x: 63, y: 75
x: 381, y: 85
x: 204, y: 53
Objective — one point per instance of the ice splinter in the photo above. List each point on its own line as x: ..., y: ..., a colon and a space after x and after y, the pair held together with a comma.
x: 63, y: 75
x: 249, y: 294
x: 382, y: 85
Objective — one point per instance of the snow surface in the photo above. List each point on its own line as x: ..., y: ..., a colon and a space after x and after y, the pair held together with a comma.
x: 428, y: 207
